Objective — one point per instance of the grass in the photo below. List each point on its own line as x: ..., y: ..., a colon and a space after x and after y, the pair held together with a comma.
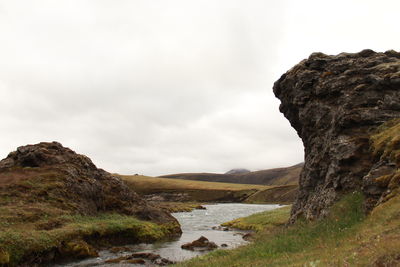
x: 345, y: 238
x: 386, y: 141
x: 385, y: 144
x: 261, y: 221
x: 150, y: 184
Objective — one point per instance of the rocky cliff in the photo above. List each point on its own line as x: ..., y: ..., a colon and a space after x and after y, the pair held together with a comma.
x: 336, y: 104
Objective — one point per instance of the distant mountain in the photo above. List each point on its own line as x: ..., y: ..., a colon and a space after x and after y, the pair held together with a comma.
x: 277, y: 176
x: 237, y: 171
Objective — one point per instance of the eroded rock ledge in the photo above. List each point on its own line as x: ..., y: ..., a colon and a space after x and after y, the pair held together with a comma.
x: 335, y: 103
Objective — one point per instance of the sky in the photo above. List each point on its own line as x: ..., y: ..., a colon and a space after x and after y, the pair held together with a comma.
x: 158, y: 87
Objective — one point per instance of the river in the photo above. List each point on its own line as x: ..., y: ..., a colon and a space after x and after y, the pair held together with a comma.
x: 194, y: 224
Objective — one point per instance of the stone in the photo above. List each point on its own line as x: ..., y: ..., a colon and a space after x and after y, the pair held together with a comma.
x: 335, y: 103
x: 200, y: 244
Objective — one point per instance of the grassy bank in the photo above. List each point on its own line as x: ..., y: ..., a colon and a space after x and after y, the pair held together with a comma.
x: 73, y: 236
x: 266, y: 220
x: 345, y: 238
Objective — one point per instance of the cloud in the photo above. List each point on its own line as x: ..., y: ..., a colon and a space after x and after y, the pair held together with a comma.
x: 160, y: 87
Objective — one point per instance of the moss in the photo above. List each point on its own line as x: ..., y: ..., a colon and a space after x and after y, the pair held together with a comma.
x: 77, y: 249
x: 386, y: 141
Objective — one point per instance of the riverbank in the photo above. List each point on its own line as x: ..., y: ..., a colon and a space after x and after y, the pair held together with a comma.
x: 75, y: 237
x: 345, y: 238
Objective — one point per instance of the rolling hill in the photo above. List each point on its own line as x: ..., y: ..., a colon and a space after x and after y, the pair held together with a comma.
x: 277, y: 176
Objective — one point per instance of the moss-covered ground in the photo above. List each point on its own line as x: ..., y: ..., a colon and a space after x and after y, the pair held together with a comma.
x: 73, y: 236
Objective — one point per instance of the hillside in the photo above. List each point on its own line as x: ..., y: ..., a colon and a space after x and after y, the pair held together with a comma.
x: 55, y: 203
x: 277, y: 176
x: 202, y: 191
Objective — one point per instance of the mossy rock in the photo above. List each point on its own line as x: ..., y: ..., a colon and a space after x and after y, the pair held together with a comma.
x: 4, y: 256
x: 78, y: 249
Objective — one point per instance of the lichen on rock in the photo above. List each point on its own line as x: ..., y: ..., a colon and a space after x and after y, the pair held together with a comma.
x: 335, y: 103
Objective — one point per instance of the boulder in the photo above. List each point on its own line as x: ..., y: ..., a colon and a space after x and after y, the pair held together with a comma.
x: 200, y: 244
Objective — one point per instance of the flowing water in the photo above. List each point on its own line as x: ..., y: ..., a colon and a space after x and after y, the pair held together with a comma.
x: 194, y: 224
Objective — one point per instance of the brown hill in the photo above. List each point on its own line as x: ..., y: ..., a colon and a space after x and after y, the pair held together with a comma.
x: 277, y: 176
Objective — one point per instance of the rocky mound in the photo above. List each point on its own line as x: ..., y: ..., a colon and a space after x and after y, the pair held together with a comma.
x: 52, y: 174
x: 336, y: 103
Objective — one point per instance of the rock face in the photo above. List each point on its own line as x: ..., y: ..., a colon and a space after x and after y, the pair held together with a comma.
x: 72, y: 182
x: 335, y: 103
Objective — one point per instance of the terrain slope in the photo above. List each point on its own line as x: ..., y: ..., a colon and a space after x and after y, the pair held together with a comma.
x: 277, y: 176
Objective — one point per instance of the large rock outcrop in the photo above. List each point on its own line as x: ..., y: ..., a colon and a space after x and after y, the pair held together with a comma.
x: 52, y: 174
x: 336, y: 103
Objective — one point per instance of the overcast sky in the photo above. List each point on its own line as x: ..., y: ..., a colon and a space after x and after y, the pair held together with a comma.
x: 158, y: 87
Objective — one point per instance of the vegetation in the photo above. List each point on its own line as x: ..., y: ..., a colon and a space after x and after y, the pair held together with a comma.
x: 386, y: 141
x: 345, y: 238
x: 147, y: 184
x: 266, y: 220
x: 386, y: 146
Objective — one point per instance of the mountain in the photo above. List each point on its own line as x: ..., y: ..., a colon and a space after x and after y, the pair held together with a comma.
x: 277, y: 176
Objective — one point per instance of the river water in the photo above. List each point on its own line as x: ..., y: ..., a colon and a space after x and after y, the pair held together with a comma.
x: 194, y: 224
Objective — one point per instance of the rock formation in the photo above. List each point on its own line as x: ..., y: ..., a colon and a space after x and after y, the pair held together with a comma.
x: 71, y: 182
x: 335, y: 103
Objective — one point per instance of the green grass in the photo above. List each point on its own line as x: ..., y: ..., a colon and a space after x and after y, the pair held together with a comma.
x: 261, y: 221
